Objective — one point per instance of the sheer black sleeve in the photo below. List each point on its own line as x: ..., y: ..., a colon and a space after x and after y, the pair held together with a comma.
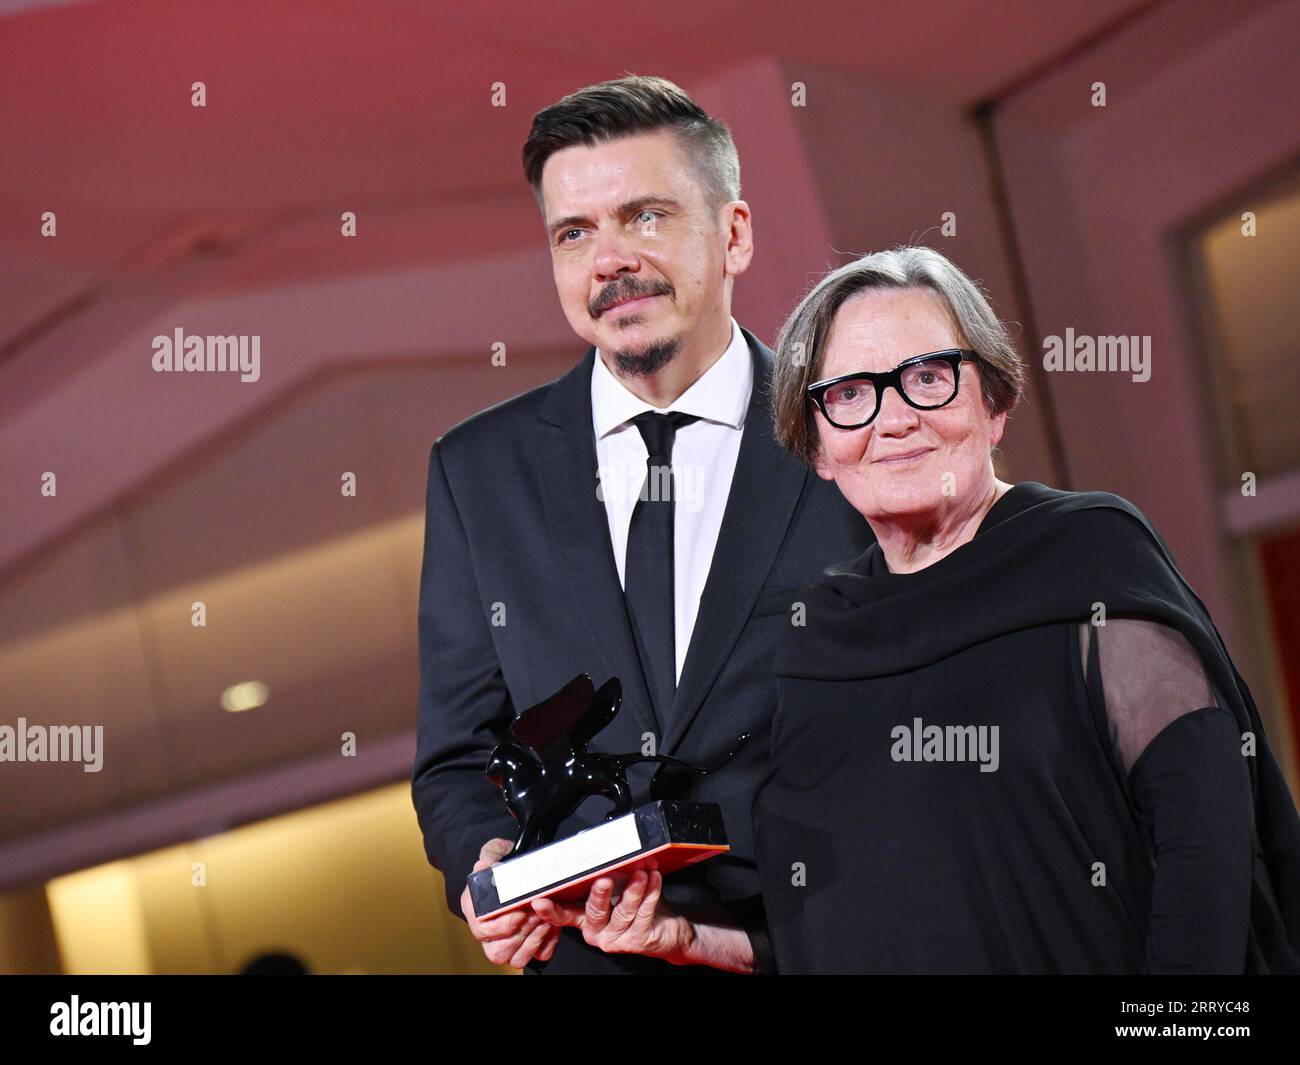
x: 1190, y: 784
x: 750, y: 916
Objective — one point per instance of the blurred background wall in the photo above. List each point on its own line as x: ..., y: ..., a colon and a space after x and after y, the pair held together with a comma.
x: 1125, y: 167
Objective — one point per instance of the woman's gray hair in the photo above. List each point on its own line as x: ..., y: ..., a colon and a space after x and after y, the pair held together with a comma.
x: 801, y: 343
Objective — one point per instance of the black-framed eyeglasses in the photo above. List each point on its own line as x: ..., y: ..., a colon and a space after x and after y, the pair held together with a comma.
x: 925, y: 382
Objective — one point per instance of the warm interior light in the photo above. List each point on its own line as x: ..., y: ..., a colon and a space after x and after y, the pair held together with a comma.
x: 244, y: 696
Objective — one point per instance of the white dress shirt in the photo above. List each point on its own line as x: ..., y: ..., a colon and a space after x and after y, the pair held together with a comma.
x: 703, y: 462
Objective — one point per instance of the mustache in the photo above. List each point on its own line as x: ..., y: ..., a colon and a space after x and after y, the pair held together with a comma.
x: 627, y: 289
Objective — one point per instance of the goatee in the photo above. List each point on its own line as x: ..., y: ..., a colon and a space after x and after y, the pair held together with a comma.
x: 643, y: 362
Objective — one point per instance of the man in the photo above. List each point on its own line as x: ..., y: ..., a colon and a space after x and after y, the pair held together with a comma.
x: 542, y: 560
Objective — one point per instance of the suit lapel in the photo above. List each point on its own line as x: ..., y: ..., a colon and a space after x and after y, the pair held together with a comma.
x: 764, y: 490
x: 566, y: 458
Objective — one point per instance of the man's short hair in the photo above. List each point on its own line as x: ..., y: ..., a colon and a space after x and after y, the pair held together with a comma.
x: 629, y: 105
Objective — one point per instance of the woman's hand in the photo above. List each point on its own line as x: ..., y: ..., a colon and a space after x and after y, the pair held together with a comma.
x: 639, y: 923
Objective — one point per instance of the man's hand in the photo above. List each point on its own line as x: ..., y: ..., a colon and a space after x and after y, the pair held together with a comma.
x: 637, y: 924
x: 514, y: 938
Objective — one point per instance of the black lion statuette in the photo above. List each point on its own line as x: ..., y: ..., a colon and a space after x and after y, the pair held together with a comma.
x: 544, y: 769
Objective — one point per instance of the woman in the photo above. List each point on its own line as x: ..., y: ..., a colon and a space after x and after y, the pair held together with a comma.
x: 1009, y: 737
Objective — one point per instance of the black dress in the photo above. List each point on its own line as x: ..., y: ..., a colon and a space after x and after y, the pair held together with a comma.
x: 1032, y: 756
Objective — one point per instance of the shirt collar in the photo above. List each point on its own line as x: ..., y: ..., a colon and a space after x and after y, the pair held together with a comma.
x: 720, y: 395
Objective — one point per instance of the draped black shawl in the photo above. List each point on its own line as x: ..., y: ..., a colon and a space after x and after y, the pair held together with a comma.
x: 905, y: 645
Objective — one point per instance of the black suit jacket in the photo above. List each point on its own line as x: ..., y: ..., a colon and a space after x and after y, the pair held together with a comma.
x: 520, y: 592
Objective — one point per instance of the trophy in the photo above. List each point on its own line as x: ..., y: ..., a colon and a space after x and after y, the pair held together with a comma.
x: 545, y: 771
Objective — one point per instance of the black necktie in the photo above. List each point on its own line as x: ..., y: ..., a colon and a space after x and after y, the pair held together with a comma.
x: 648, y: 573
